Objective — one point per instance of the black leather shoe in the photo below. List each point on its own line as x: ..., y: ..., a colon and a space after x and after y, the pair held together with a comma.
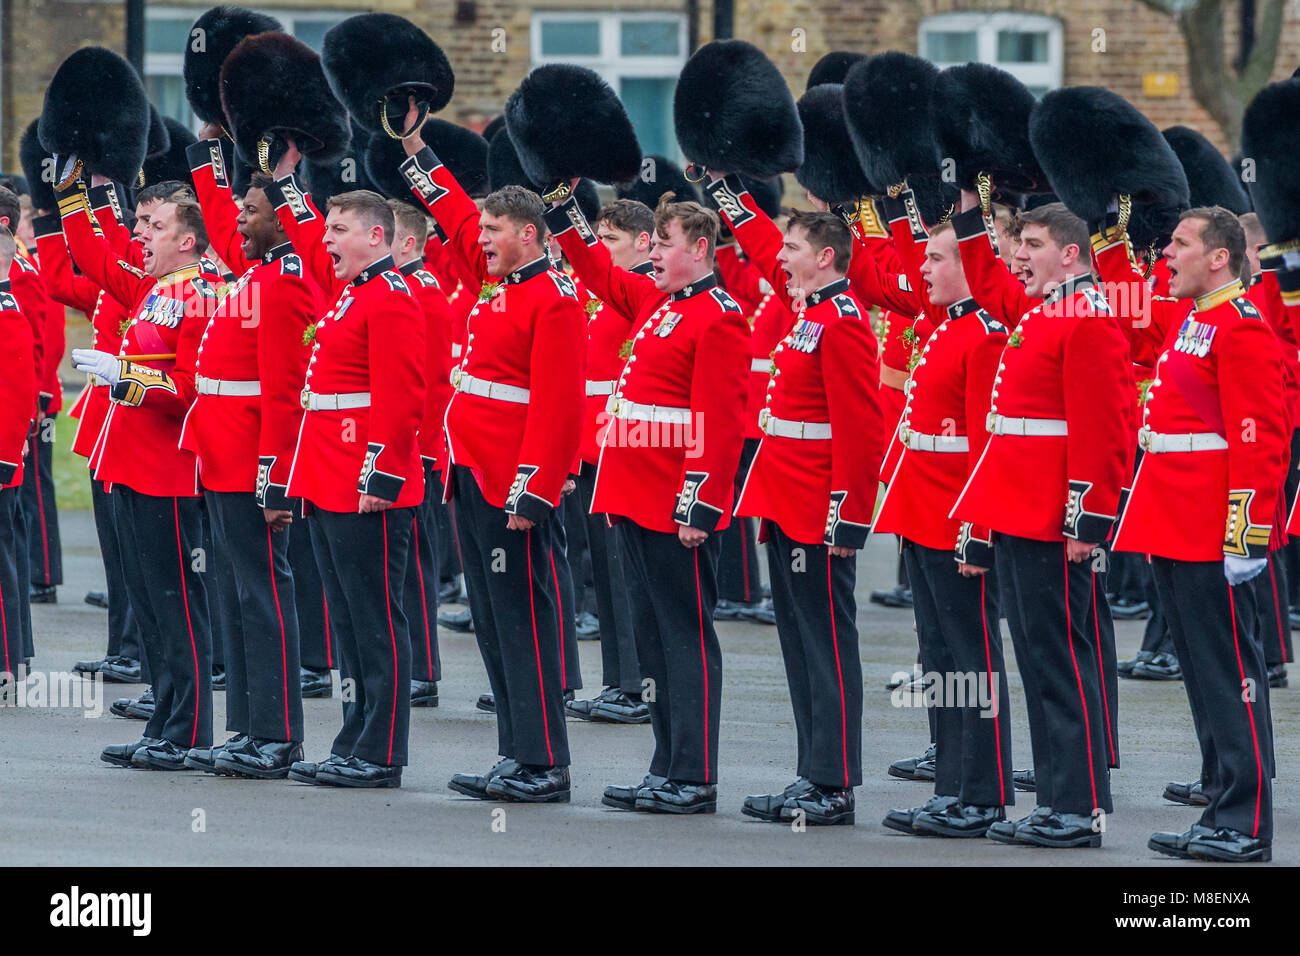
x: 1024, y: 780
x: 915, y: 768
x: 624, y: 798
x: 1162, y: 666
x: 139, y: 708
x: 621, y: 709
x: 587, y: 627
x: 97, y: 599
x: 218, y: 680
x: 462, y: 621
x: 1059, y: 831
x: 164, y: 755
x: 822, y: 807
x: 475, y: 785
x: 1189, y: 794
x: 903, y: 677
x: 355, y: 772
x: 1230, y: 846
x: 1175, y: 844
x: 762, y: 612
x: 900, y: 819
x: 449, y: 592
x: 1004, y: 831
x: 958, y: 820
x: 204, y: 758
x: 46, y: 595
x: 531, y: 785
x: 582, y: 708
x: 305, y: 771
x: 1123, y: 609
x: 767, y: 806
x: 1125, y: 668
x: 120, y: 670
x: 728, y: 610
x: 897, y: 596
x: 486, y: 702
x: 119, y: 755
x: 675, y: 797
x: 89, y: 667
x: 1277, y: 675
x: 424, y: 693
x: 259, y: 759
x: 315, y: 683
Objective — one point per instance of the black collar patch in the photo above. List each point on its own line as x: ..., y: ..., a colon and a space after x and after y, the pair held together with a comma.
x: 695, y: 288
x: 828, y: 291
x: 375, y: 268
x: 528, y: 271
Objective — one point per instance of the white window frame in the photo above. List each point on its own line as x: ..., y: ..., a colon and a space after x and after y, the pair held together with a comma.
x: 986, y: 26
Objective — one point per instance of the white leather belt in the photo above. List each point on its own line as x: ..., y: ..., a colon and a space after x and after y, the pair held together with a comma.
x: 1036, y: 427
x: 763, y: 365
x: 784, y: 428
x: 1157, y: 444
x: 600, y: 388
x: 216, y: 386
x: 661, y: 414
x: 919, y: 441
x: 333, y: 403
x: 456, y: 349
x: 464, y: 382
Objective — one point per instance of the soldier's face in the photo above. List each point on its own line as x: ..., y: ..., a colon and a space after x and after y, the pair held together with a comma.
x: 1193, y: 269
x: 625, y: 249
x: 506, y: 245
x: 944, y: 279
x: 677, y: 261
x: 800, y: 262
x: 1042, y: 264
x: 351, y: 243
x: 143, y: 213
x: 166, y: 246
x: 258, y: 224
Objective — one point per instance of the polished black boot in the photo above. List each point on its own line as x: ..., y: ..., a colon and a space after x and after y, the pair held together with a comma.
x: 357, y: 773
x: 531, y: 785
x: 901, y: 819
x: 915, y: 768
x: 475, y: 785
x: 958, y: 820
x: 462, y: 621
x: 1024, y: 780
x: 1060, y: 831
x: 424, y: 693
x: 204, y: 758
x: 163, y: 755
x: 315, y: 683
x: 676, y: 797
x: 821, y: 807
x: 1230, y: 846
x: 119, y: 755
x: 1175, y: 844
x: 1189, y: 794
x: 767, y: 806
x: 624, y: 798
x: 259, y: 759
x: 305, y: 771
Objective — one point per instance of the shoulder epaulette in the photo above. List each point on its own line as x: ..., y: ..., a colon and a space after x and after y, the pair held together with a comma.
x: 291, y: 264
x: 127, y: 267
x: 395, y: 281
x: 564, y: 284
x: 426, y: 277
x: 1246, y: 308
x: 204, y: 288
x: 24, y: 264
x: 723, y: 299
x: 991, y: 325
x: 846, y: 305
x: 7, y: 302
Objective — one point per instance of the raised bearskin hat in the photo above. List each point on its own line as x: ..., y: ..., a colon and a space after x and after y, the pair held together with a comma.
x: 565, y: 121
x: 833, y: 67
x: 272, y: 87
x: 171, y: 163
x: 734, y: 113
x: 1270, y: 139
x: 887, y: 110
x: 212, y: 38
x: 1210, y: 180
x: 830, y: 169
x: 463, y: 151
x: 494, y: 125
x: 504, y: 169
x: 341, y: 175
x: 33, y: 157
x: 96, y: 109
x: 658, y: 175
x: 1151, y: 225
x: 1093, y: 144
x: 380, y: 58
x: 936, y: 200
x: 160, y: 137
x: 981, y: 122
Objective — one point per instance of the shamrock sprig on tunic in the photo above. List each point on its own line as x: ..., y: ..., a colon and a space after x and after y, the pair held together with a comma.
x: 625, y: 350
x: 1144, y: 390
x: 1015, y: 339
x: 309, y: 334
x: 910, y: 337
x: 592, y: 306
x: 488, y: 291
x: 123, y: 326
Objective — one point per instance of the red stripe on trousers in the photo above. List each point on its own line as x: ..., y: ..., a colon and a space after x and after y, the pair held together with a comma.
x: 194, y: 651
x: 284, y: 658
x: 835, y: 645
x: 1078, y: 679
x: 993, y: 688
x: 1259, y: 766
x: 537, y: 650
x: 392, y: 638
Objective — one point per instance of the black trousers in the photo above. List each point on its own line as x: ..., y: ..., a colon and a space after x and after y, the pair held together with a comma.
x: 220, y: 581
x: 578, y: 551
x: 362, y: 561
x: 512, y: 595
x: 263, y: 688
x: 123, y: 628
x: 1156, y: 638
x: 1273, y: 611
x: 672, y: 591
x: 448, y: 553
x: 1226, y: 681
x: 24, y: 525
x: 161, y: 541
x: 315, y: 648
x: 812, y: 597
x: 1059, y: 663
x: 618, y: 661
x: 961, y: 649
x: 1107, y: 664
x: 420, y: 595
x: 738, y: 578
x: 44, y: 546
x: 566, y: 605
x: 12, y: 587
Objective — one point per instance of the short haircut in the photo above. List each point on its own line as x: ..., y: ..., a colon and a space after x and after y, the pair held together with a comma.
x: 8, y: 246
x: 9, y: 206
x: 521, y: 206
x: 941, y: 227
x: 1250, y: 224
x: 161, y: 191
x: 1063, y: 226
x: 260, y: 180
x: 825, y: 230
x: 189, y: 217
x: 370, y: 207
x: 628, y: 215
x: 696, y: 221
x: 1221, y: 230
x: 409, y: 219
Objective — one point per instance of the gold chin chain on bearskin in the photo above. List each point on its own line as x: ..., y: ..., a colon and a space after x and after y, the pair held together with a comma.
x: 699, y: 170
x: 1121, y: 228
x: 139, y: 179
x: 264, y: 154
x: 73, y: 175
x: 388, y: 128
x: 560, y: 193
x: 896, y: 190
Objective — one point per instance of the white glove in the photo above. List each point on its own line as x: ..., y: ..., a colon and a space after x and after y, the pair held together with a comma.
x: 1240, y: 570
x: 1291, y: 259
x: 103, y: 365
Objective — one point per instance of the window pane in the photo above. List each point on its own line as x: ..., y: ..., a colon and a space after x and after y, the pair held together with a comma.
x: 947, y: 46
x: 312, y: 32
x: 163, y: 35
x: 570, y: 38
x: 1017, y: 47
x: 649, y: 104
x: 650, y: 38
x: 168, y: 94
